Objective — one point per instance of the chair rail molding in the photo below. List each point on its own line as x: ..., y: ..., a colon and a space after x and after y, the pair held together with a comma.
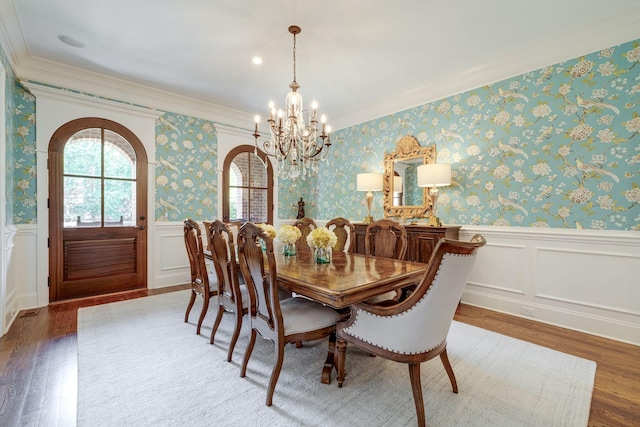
x: 584, y: 280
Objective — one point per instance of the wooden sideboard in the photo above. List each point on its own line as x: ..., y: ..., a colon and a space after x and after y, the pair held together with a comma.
x: 422, y: 239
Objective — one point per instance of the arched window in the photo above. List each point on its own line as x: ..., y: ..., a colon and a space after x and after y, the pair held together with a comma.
x: 248, y: 186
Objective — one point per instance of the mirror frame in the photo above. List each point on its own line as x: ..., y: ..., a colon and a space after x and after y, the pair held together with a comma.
x: 407, y: 148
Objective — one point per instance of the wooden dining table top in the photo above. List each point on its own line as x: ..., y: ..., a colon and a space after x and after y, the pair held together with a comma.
x: 347, y: 279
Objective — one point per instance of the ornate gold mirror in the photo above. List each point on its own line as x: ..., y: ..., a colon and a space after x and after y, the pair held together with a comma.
x: 402, y: 196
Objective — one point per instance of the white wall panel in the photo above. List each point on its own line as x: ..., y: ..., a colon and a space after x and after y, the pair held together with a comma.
x: 606, y: 279
x: 500, y: 267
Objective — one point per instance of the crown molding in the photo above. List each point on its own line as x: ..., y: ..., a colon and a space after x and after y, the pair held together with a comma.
x: 607, y: 32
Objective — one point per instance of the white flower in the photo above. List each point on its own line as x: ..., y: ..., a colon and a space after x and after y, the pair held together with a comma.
x: 162, y: 180
x: 605, y: 202
x: 581, y: 68
x: 444, y: 107
x: 288, y: 234
x: 501, y: 171
x: 564, y: 212
x: 162, y: 139
x: 519, y: 120
x: 473, y: 200
x: 633, y: 55
x: 580, y: 195
x: 606, y: 135
x: 633, y: 125
x: 564, y: 150
x: 541, y: 110
x: 564, y: 89
x: 473, y: 150
x: 207, y: 165
x: 606, y: 69
x: 541, y: 169
x: 473, y: 101
x: 207, y: 127
x: 501, y: 118
x: 207, y: 202
x: 632, y: 195
x: 23, y: 131
x: 187, y: 144
x: 23, y: 184
x: 580, y: 132
x: 187, y: 183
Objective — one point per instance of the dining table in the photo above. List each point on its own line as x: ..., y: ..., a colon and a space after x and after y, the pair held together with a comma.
x: 346, y: 279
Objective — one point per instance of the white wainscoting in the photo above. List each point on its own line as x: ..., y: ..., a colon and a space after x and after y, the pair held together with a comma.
x: 578, y: 279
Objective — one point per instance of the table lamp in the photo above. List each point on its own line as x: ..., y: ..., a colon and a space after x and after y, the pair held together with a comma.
x: 434, y: 175
x: 369, y: 182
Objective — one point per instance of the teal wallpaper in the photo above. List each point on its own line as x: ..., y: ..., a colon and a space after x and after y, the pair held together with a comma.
x: 24, y: 157
x: 557, y: 147
x: 186, y: 168
x: 20, y: 150
x: 554, y: 148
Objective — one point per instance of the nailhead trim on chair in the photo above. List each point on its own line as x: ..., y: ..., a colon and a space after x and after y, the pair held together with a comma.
x: 358, y: 312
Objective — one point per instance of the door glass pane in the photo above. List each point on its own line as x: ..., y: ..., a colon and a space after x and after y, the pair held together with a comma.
x: 119, y: 157
x: 82, y: 198
x: 119, y: 203
x: 82, y: 153
x: 240, y: 170
x: 238, y: 204
x: 258, y: 172
x: 258, y: 207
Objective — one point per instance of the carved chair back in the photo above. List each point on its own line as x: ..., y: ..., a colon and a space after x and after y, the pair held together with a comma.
x: 386, y: 238
x: 306, y: 226
x: 346, y: 233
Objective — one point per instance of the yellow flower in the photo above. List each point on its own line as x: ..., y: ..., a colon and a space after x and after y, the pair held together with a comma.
x: 322, y: 238
x: 288, y: 234
x: 268, y: 229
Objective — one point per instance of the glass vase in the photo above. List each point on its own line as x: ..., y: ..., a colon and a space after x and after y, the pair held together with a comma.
x: 289, y: 249
x: 322, y: 255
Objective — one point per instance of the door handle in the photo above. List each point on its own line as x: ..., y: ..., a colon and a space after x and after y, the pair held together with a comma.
x: 141, y: 227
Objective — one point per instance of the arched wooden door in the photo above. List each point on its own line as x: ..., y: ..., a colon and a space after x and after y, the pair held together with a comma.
x: 97, y: 210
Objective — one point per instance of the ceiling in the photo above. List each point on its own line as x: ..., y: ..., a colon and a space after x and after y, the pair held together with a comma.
x: 357, y: 58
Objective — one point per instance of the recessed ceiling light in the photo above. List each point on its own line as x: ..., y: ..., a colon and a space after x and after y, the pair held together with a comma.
x: 70, y: 41
x: 257, y: 60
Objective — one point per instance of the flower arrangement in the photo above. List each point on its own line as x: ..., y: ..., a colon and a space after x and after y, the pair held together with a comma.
x: 322, y: 238
x: 288, y: 234
x: 268, y: 229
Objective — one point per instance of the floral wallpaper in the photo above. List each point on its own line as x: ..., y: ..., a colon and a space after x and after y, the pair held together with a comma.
x: 557, y: 147
x: 186, y: 172
x: 20, y: 150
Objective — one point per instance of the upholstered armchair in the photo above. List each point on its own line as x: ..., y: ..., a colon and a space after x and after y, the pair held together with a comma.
x: 414, y: 330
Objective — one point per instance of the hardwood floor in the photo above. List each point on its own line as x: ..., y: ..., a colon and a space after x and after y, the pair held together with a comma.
x: 38, y: 362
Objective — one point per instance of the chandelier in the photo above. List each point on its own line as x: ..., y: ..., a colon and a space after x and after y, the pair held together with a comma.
x: 294, y: 132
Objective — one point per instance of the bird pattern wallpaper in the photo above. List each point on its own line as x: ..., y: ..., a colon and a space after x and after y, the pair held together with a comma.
x: 557, y: 147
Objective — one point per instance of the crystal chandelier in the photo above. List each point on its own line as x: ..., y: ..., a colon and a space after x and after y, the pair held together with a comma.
x: 294, y: 132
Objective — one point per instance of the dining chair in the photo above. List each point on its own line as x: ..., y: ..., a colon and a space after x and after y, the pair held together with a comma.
x: 345, y: 232
x: 414, y: 330
x: 306, y: 226
x: 386, y: 238
x: 281, y: 321
x: 232, y: 292
x: 203, y: 283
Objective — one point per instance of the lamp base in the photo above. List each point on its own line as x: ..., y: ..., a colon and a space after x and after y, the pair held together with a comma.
x: 434, y: 221
x: 368, y: 220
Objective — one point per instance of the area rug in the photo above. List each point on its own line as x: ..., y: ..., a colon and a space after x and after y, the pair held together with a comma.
x: 139, y: 364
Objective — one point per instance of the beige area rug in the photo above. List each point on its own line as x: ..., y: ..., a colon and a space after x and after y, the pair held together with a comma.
x: 140, y: 365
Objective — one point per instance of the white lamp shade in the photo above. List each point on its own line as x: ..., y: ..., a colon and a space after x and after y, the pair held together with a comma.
x: 434, y: 175
x: 369, y: 182
x: 397, y: 184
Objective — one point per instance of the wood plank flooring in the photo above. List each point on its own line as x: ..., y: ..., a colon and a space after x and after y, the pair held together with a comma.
x: 38, y: 362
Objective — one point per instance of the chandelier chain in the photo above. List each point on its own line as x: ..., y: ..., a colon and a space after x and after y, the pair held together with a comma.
x: 294, y: 57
